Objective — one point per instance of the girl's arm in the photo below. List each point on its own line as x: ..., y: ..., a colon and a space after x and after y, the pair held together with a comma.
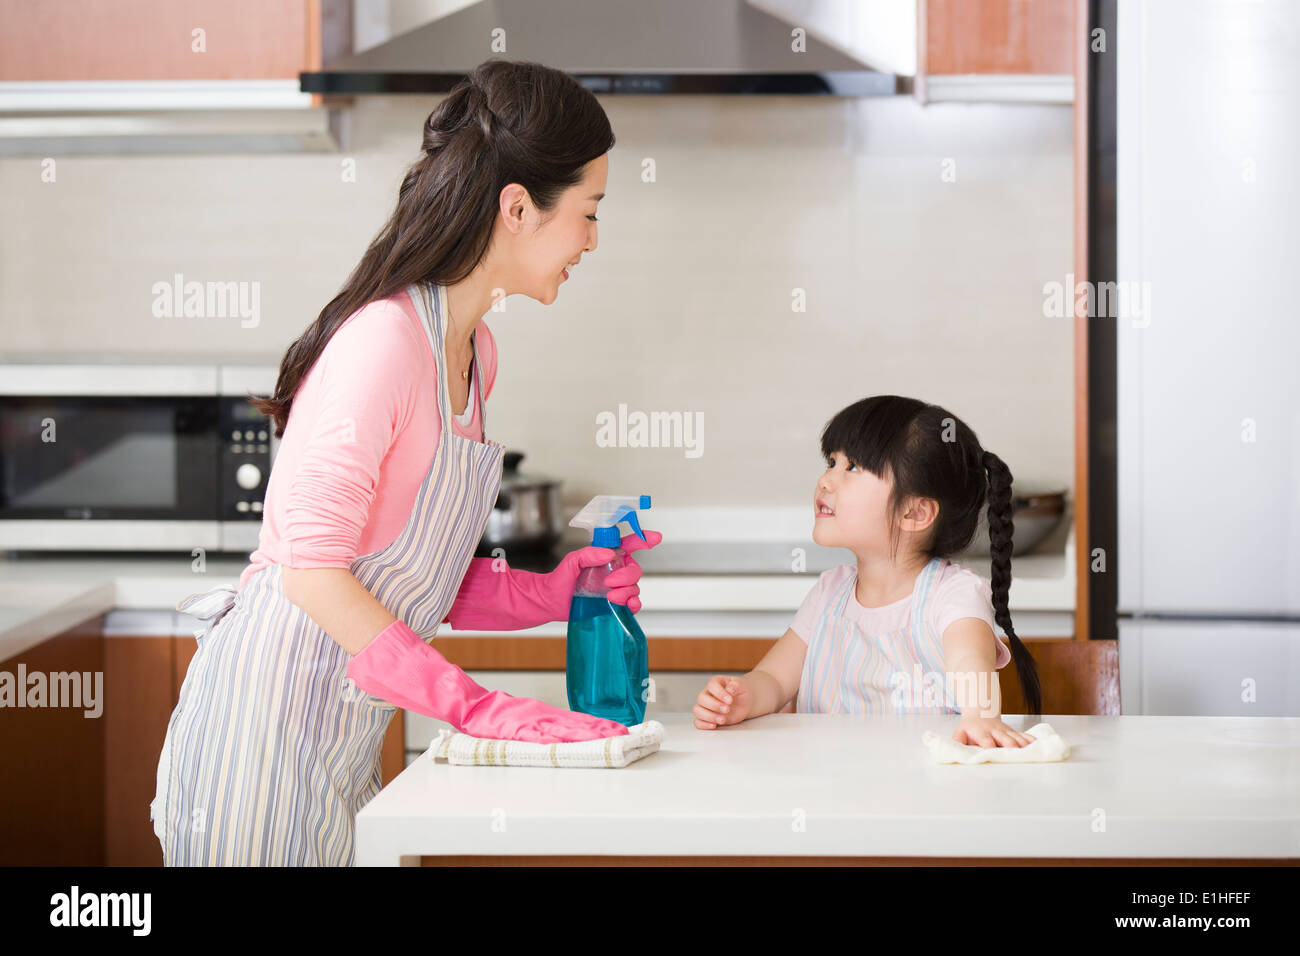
x: 774, y: 681
x: 969, y: 656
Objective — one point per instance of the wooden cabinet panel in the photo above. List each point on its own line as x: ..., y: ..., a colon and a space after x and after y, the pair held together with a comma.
x: 52, y: 763
x: 1077, y: 677
x: 153, y: 39
x: 996, y: 36
x: 138, y: 701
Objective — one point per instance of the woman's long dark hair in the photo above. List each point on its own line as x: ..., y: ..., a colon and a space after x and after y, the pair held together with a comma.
x: 507, y: 122
x: 931, y: 453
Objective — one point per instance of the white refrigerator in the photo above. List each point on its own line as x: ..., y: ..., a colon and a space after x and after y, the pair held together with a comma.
x: 1208, y: 379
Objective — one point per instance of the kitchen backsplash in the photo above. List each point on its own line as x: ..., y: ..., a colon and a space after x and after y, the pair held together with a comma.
x: 762, y: 262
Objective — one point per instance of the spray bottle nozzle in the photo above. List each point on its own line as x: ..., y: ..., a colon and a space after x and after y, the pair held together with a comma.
x: 604, y: 513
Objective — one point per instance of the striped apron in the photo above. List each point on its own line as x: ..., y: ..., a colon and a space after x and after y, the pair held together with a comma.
x: 271, y: 751
x: 846, y: 671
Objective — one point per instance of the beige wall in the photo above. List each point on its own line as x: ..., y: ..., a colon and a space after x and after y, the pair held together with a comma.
x: 914, y: 285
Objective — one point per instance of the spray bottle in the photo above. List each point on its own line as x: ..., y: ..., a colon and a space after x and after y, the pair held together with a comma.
x: 607, y: 661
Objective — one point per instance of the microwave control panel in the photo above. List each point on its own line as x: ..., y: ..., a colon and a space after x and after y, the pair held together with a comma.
x: 244, y: 434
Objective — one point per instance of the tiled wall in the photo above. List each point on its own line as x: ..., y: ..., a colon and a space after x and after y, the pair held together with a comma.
x: 916, y: 282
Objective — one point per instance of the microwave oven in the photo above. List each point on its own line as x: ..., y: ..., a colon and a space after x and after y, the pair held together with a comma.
x: 133, y: 456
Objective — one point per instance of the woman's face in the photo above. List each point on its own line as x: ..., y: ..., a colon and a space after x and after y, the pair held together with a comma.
x: 545, y: 250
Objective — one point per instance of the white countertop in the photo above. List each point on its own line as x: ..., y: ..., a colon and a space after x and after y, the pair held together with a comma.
x: 1152, y: 787
x: 41, y: 597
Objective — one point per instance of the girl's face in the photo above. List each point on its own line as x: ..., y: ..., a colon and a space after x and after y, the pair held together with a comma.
x: 547, y: 251
x: 858, y: 500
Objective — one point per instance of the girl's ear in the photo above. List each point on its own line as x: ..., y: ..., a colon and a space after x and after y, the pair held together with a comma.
x: 920, y: 513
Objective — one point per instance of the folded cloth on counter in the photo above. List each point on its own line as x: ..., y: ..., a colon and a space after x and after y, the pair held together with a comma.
x: 1048, y: 746
x: 464, y: 750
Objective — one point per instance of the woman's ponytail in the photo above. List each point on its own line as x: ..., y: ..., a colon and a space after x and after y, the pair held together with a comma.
x: 1000, y: 532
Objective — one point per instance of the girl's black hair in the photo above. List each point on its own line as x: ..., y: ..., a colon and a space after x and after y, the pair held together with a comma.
x: 928, y: 452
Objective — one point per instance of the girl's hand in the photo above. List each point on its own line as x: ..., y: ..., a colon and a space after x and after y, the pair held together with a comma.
x: 724, y: 700
x: 989, y: 732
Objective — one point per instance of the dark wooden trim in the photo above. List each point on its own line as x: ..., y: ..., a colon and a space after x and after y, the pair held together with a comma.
x: 1102, y: 454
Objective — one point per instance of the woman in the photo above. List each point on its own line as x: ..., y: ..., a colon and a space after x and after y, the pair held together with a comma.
x: 380, y: 492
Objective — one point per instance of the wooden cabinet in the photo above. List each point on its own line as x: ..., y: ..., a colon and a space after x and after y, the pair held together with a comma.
x: 995, y: 50
x: 90, y: 40
x: 1077, y: 677
x: 165, y: 70
x: 996, y: 36
x: 78, y: 787
x: 52, y: 760
x: 139, y: 694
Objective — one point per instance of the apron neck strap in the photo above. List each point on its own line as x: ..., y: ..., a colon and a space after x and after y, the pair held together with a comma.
x: 427, y: 299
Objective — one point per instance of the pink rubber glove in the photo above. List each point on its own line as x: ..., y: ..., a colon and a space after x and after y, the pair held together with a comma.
x: 403, y: 670
x: 508, y: 600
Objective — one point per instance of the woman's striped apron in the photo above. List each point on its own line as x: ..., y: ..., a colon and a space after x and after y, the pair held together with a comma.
x: 271, y: 751
x: 846, y: 671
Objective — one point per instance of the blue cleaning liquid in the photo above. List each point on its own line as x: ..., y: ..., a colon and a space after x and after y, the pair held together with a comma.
x: 607, y: 661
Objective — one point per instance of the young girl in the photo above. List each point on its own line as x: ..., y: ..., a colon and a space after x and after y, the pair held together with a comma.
x: 907, y: 630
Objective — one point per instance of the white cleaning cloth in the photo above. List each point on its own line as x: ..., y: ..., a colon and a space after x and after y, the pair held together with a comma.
x: 464, y: 750
x: 1047, y: 747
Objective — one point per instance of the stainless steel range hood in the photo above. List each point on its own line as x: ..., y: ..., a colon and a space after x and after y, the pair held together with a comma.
x: 613, y: 46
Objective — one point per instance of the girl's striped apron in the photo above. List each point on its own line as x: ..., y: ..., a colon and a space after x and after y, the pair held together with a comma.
x: 898, y: 672
x: 270, y: 751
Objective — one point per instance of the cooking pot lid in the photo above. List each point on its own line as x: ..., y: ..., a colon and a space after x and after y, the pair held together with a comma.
x: 513, y: 479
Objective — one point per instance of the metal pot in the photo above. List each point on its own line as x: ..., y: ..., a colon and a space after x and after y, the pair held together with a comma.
x: 527, y: 515
x: 1035, y: 515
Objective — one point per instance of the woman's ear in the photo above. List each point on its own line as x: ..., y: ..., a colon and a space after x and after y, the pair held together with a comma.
x: 514, y: 205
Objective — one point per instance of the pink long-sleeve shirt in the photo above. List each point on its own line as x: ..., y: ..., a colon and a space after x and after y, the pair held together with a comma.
x: 360, y: 438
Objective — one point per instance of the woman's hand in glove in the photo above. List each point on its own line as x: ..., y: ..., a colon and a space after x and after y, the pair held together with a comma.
x: 623, y: 587
x: 399, y: 667
x: 494, y: 596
